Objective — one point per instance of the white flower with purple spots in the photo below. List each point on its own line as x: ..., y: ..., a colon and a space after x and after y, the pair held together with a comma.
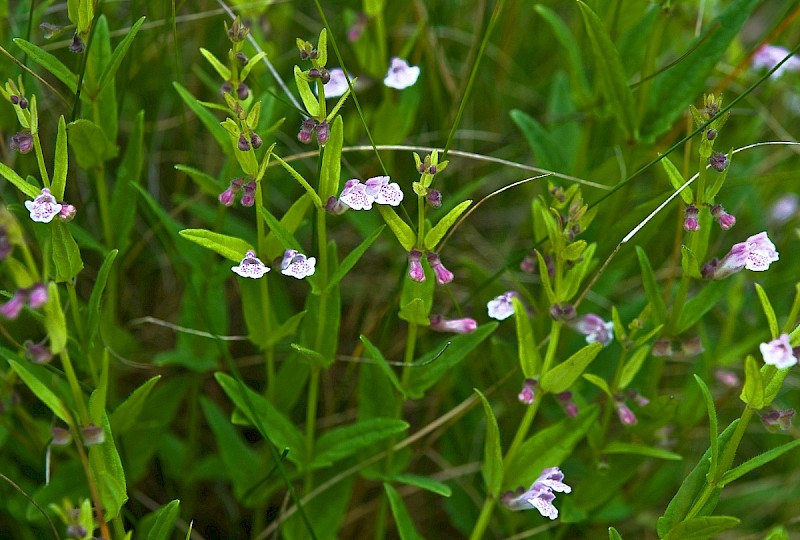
x: 251, y: 266
x: 44, y: 207
x: 297, y: 265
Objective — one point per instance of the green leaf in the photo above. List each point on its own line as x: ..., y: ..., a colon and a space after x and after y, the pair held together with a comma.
x: 753, y: 390
x: 230, y: 247
x: 404, y: 234
x: 562, y: 376
x: 166, y: 516
x: 632, y: 366
x: 49, y: 62
x: 691, y: 486
x: 283, y: 235
x: 308, y: 97
x: 322, y: 47
x: 402, y: 519
x: 415, y: 312
x: 529, y: 358
x: 773, y: 381
x: 613, y: 534
x: 684, y: 81
x: 302, y: 181
x: 89, y: 144
x: 549, y: 154
x: 207, y: 183
x: 435, y: 364
x: 768, y: 311
x: 280, y: 429
x: 222, y: 70
x: 599, y: 382
x: 118, y: 55
x: 207, y: 118
x: 756, y: 462
x: 125, y: 415
x: 702, y: 528
x: 353, y: 257
x: 701, y: 304
x: 106, y: 465
x: 689, y: 263
x: 713, y: 428
x: 20, y: 183
x: 610, y: 72
x: 241, y: 463
x: 618, y: 447
x: 129, y: 172
x: 545, y: 277
x: 381, y: 362
x: 60, y: 162
x: 423, y: 482
x: 677, y: 180
x: 577, y: 71
x: 66, y: 254
x: 343, y: 442
x: 435, y: 235
x: 93, y: 319
x: 54, y: 321
x: 251, y: 63
x: 332, y: 161
x: 492, y: 467
x: 286, y: 329
x: 651, y: 287
x: 290, y: 221
x: 548, y: 447
x: 41, y: 390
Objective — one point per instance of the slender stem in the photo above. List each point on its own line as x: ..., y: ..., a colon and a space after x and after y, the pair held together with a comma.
x: 37, y: 145
x: 311, y: 422
x: 483, y: 519
x: 87, y: 470
x: 420, y: 222
x: 74, y: 386
x: 552, y: 346
x: 269, y: 353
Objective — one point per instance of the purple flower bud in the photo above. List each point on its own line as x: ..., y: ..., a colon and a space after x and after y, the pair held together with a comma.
x: 324, y: 75
x: 242, y: 91
x: 304, y: 136
x: 569, y: 406
x: 249, y: 194
x: 61, y: 436
x: 226, y: 88
x: 690, y: 221
x: 662, y: 348
x: 562, y: 312
x: 22, y: 142
x: 626, y: 415
x: 23, y: 103
x: 712, y: 109
x: 725, y: 220
x: 227, y: 197
x: 727, y: 377
x: 240, y: 56
x: 76, y: 531
x: 67, y: 212
x: 434, y: 198
x: 692, y: 346
x: 432, y: 169
x: 10, y: 310
x: 247, y: 200
x: 313, y: 54
x: 313, y: 73
x: 255, y: 141
x: 244, y: 144
x: 718, y: 161
x: 527, y: 394
x: 92, y: 435
x: 711, y: 134
x: 335, y: 207
x: 640, y: 400
x: 37, y: 352
x: 14, y: 99
x: 456, y: 326
x: 415, y: 270
x: 558, y: 193
x: 443, y: 275
x: 76, y: 46
x: 358, y: 27
x: 303, y: 55
x: 37, y: 295
x: 323, y: 130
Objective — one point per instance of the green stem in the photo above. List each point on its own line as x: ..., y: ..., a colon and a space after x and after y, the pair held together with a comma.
x: 311, y: 422
x: 421, y: 222
x: 261, y: 246
x: 552, y: 346
x: 40, y: 160
x: 75, y: 387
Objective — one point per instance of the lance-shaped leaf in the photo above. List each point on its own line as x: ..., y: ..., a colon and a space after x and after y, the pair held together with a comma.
x: 230, y: 247
x: 118, y: 55
x: 651, y: 288
x: 345, y: 441
x: 221, y: 69
x: 251, y: 63
x: 677, y: 180
x: 165, y: 518
x: 402, y: 519
x: 206, y: 117
x: 400, y: 228
x: 60, y: 162
x: 93, y: 322
x: 332, y: 162
x: 66, y: 255
x: 702, y: 528
x: 383, y: 364
x: 712, y: 428
x: 562, y: 376
x: 353, y: 257
x: 308, y: 97
x: 529, y: 358
x: 753, y: 390
x: 756, y: 462
x: 302, y: 181
x: 40, y: 389
x: 49, y: 62
x: 20, y: 183
x: 492, y: 467
x: 772, y: 321
x: 440, y: 229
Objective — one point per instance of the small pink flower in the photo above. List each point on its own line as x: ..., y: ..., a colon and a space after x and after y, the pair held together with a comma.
x: 44, y: 207
x: 778, y: 352
x: 67, y: 212
x: 626, y: 415
x: 443, y: 275
x: 456, y: 326
x: 37, y: 352
x: 690, y: 222
x: 727, y: 377
x: 540, y: 495
x: 502, y: 307
x: 37, y: 295
x: 415, y: 270
x: 725, y: 220
x: 692, y: 346
x: 382, y: 192
x: 756, y: 254
x: 22, y: 142
x: 248, y: 194
x: 10, y: 310
x: 355, y: 195
x: 595, y: 329
x: 768, y: 57
x: 527, y: 395
x: 251, y: 266
x: 337, y: 84
x: 569, y: 406
x: 297, y: 265
x: 61, y: 436
x: 662, y: 348
x: 400, y: 74
x: 778, y: 420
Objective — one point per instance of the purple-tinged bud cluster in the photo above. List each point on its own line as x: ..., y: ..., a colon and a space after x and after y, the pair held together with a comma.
x: 243, y: 144
x: 226, y: 88
x: 256, y: 141
x: 241, y: 57
x: 34, y: 296
x: 690, y: 221
x: 228, y: 197
x: 443, y: 275
x: 640, y: 400
x: 19, y: 100
x: 718, y: 161
x: 434, y: 198
x: 725, y: 220
x: 527, y: 395
x: 22, y: 142
x: 563, y: 312
x: 455, y: 326
x: 309, y: 127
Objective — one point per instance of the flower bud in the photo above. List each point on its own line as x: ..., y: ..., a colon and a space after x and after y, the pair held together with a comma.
x: 37, y: 352
x: 527, y: 394
x: 718, y: 161
x: 61, y: 436
x: 443, y: 275
x: 67, y: 212
x: 662, y: 348
x: 434, y: 198
x: 415, y: 270
x: 226, y: 88
x: 76, y: 46
x: 22, y: 142
x: 323, y: 130
x: 244, y: 144
x: 562, y: 312
x: 37, y: 295
x: 255, y: 141
x: 240, y: 56
x: 711, y: 134
x: 725, y: 220
x: 626, y: 415
x: 93, y: 435
x: 242, y: 91
x: 690, y: 221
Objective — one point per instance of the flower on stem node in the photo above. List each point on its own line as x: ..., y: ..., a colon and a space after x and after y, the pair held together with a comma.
x: 443, y: 275
x: 92, y: 435
x: 415, y: 270
x: 455, y: 326
x: 562, y: 312
x: 690, y: 221
x: 540, y: 495
x: 778, y: 420
x: 565, y: 400
x: 37, y: 353
x: 626, y: 415
x: 400, y: 74
x: 725, y: 220
x: 22, y: 142
x: 756, y: 254
x: 595, y: 329
x: 778, y: 352
x: 251, y: 266
x: 527, y: 395
x: 297, y: 265
x: 718, y: 161
x: 502, y: 307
